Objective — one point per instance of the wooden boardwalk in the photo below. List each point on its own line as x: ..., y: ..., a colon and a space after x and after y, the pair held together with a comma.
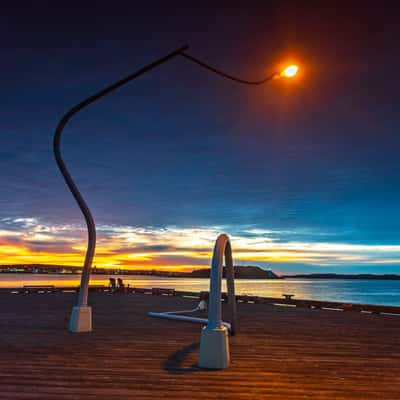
x: 279, y: 352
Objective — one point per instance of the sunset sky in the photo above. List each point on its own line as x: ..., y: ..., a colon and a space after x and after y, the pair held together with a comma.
x: 302, y: 174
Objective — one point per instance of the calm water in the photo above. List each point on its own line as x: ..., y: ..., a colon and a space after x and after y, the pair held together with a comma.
x: 355, y: 291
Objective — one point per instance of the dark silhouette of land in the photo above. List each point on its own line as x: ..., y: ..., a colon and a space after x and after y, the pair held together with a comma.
x: 241, y: 272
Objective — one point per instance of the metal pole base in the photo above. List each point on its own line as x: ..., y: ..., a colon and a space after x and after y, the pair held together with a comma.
x: 81, y: 319
x: 214, y: 348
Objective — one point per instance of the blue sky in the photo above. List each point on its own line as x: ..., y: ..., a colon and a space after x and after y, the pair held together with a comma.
x: 310, y: 163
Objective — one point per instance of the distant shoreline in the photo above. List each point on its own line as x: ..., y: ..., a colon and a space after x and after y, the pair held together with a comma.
x: 161, y: 274
x: 241, y: 272
x: 392, y: 277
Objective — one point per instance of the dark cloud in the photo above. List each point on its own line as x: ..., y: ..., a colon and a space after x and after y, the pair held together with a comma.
x: 50, y: 246
x: 10, y: 241
x: 143, y: 249
x: 167, y: 260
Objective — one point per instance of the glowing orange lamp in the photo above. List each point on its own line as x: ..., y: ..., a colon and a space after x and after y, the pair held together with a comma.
x: 290, y: 71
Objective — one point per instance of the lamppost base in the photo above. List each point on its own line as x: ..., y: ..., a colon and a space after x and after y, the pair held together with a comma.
x: 214, y: 348
x: 81, y: 319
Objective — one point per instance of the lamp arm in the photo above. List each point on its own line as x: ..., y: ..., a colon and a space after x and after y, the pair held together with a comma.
x: 275, y: 75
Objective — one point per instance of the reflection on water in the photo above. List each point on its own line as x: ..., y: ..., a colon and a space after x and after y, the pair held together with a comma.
x: 355, y: 291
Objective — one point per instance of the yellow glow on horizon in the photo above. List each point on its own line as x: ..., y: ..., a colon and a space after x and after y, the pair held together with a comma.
x: 10, y: 250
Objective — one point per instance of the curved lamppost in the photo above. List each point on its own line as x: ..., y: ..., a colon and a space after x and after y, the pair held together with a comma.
x: 81, y: 318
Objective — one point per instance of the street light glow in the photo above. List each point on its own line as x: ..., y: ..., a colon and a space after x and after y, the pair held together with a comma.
x: 290, y: 71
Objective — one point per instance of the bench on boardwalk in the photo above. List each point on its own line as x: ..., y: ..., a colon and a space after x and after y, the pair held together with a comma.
x: 28, y: 289
x: 162, y: 292
x: 288, y: 296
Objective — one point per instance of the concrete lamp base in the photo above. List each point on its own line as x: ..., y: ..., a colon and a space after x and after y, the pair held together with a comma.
x: 81, y: 319
x: 214, y: 348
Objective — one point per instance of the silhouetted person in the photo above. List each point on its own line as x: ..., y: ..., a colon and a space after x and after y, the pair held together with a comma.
x: 113, y: 286
x: 121, y: 284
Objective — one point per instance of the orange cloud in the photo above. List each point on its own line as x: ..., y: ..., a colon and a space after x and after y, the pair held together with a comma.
x: 27, y: 241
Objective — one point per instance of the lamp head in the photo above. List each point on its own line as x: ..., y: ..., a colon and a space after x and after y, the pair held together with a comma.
x: 290, y: 71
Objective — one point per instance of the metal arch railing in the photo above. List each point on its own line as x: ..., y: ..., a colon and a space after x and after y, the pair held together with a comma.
x: 214, y: 342
x: 222, y: 249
